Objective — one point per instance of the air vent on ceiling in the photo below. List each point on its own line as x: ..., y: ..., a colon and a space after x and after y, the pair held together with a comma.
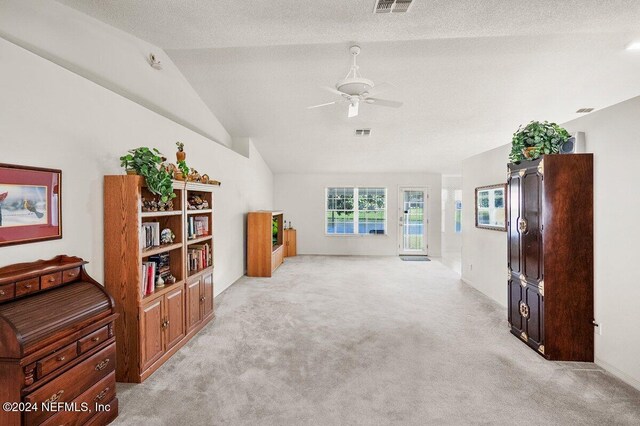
x: 584, y: 110
x: 392, y: 6
x: 363, y: 132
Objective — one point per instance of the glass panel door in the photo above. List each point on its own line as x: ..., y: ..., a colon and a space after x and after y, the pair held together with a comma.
x: 413, y: 220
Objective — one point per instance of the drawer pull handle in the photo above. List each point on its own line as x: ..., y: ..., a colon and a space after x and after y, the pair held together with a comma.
x: 101, y: 366
x: 28, y: 286
x: 55, y: 397
x: 51, y: 279
x: 95, y: 339
x: 2, y: 293
x: 61, y: 358
x: 101, y: 395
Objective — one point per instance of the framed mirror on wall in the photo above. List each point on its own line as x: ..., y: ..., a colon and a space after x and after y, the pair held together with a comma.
x: 491, y: 207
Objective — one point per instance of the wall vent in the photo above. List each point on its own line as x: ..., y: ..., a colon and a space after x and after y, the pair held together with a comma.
x: 392, y: 6
x: 363, y: 132
x: 584, y: 110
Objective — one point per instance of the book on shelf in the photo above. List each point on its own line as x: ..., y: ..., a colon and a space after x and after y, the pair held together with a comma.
x: 157, y: 265
x: 199, y: 256
x: 149, y: 235
x: 197, y: 226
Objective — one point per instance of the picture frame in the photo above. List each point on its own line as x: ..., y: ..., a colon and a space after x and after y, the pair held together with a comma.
x: 30, y: 204
x: 491, y: 207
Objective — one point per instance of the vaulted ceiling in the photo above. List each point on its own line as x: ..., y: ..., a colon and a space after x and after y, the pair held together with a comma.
x: 468, y: 72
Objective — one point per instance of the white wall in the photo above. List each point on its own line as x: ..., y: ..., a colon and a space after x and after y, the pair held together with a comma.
x: 110, y: 57
x: 613, y: 135
x: 451, y: 241
x: 484, y: 251
x: 302, y: 198
x: 51, y: 117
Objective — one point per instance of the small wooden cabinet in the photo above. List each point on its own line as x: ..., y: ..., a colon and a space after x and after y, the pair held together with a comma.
x: 290, y: 244
x: 200, y: 300
x: 265, y: 242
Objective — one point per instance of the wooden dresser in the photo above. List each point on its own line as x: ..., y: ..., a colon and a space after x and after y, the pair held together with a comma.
x: 550, y: 255
x: 57, y: 345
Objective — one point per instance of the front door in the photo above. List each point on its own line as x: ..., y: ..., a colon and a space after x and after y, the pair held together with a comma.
x: 412, y: 217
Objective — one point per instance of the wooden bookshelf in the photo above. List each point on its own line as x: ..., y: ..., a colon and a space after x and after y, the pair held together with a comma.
x: 152, y: 327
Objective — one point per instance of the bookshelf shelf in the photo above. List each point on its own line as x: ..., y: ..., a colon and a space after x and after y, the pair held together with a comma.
x: 160, y: 249
x: 203, y: 211
x: 152, y: 327
x: 162, y: 291
x: 199, y: 239
x: 161, y: 214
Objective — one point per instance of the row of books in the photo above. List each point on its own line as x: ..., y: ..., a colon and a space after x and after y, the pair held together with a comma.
x: 157, y: 266
x: 199, y: 256
x: 150, y: 234
x: 198, y: 226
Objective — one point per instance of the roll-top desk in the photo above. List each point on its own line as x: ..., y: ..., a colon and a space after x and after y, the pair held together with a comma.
x: 57, y: 348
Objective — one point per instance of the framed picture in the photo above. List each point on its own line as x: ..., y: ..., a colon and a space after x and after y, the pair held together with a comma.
x: 30, y: 204
x: 491, y: 207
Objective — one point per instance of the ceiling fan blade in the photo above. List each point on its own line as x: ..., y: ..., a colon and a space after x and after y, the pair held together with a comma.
x: 353, y: 109
x: 321, y: 105
x: 333, y: 90
x: 384, y: 102
x: 379, y: 88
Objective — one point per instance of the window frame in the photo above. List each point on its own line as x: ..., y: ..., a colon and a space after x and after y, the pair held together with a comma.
x: 356, y: 211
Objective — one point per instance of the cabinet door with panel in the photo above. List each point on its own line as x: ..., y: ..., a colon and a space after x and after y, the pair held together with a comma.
x: 207, y: 295
x: 152, y: 345
x: 174, y: 317
x: 194, y: 315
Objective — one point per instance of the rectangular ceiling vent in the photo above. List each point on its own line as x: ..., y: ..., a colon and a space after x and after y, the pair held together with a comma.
x: 363, y: 132
x: 392, y: 6
x: 584, y: 110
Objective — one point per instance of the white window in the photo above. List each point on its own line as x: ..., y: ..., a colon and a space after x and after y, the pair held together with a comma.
x: 351, y: 211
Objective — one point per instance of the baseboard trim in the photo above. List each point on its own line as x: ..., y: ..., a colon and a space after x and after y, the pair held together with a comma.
x: 618, y: 373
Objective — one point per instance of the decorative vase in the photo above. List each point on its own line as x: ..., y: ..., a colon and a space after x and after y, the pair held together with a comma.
x: 528, y: 152
x: 179, y: 176
x: 181, y: 155
x: 159, y: 282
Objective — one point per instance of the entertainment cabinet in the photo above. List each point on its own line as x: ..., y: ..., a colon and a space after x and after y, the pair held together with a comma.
x: 152, y: 327
x: 550, y: 255
x: 265, y: 248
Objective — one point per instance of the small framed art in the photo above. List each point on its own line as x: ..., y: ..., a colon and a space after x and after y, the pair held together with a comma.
x: 30, y: 204
x: 491, y: 207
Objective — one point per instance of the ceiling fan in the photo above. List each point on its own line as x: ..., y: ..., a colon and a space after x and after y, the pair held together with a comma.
x: 355, y: 90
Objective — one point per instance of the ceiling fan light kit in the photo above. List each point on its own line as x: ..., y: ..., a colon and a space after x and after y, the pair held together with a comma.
x: 354, y: 89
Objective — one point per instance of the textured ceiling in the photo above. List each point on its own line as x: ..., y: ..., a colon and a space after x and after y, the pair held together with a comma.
x: 469, y: 72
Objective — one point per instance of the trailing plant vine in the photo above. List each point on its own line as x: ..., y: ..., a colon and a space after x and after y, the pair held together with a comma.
x: 149, y: 163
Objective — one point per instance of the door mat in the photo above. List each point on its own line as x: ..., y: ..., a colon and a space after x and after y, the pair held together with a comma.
x: 415, y: 258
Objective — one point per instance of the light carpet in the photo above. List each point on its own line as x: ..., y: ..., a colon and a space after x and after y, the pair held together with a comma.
x: 368, y: 341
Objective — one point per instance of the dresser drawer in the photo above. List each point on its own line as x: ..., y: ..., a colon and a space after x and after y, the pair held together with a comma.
x: 72, y: 383
x: 27, y: 286
x: 70, y: 275
x: 92, y: 340
x: 7, y: 291
x: 101, y: 393
x: 50, y: 280
x: 56, y: 360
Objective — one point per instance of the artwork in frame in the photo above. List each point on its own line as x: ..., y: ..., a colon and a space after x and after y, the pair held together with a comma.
x: 491, y: 207
x: 30, y: 204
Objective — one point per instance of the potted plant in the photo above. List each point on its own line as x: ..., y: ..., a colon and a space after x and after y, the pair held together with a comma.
x: 149, y: 163
x: 536, y: 139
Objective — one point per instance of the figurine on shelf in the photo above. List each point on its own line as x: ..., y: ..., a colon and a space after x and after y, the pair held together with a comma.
x: 173, y: 170
x: 167, y: 236
x: 180, y: 155
x: 159, y: 282
x: 204, y: 178
x: 170, y: 279
x: 194, y: 176
x: 197, y: 203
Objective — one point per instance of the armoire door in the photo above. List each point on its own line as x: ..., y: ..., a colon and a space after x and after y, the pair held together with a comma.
x: 174, y: 317
x: 529, y: 224
x: 151, y: 333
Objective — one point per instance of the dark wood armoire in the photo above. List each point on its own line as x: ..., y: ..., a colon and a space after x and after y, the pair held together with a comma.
x: 550, y: 255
